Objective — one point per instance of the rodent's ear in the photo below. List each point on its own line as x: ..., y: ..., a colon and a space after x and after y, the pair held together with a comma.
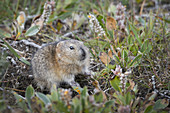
x: 60, y: 43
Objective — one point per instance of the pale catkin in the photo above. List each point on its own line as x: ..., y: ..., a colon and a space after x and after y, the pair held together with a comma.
x: 95, y: 26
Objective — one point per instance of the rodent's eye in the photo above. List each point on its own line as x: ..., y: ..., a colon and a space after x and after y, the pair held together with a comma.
x: 71, y: 47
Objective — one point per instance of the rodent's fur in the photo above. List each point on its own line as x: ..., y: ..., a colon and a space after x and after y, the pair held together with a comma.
x: 60, y: 61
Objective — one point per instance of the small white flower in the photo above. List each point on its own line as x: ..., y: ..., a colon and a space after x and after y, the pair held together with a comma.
x: 120, y: 16
x: 123, y: 76
x: 46, y: 12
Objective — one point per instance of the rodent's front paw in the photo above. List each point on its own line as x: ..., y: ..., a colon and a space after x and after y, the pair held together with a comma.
x: 87, y: 73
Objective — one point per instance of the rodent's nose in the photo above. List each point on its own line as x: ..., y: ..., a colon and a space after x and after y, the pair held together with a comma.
x: 83, y: 54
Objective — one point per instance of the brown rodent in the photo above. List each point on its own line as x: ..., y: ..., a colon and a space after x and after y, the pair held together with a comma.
x: 60, y: 61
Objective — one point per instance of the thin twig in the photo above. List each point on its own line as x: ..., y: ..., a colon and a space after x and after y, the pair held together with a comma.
x: 95, y: 66
x: 108, y: 89
x: 141, y: 9
x: 19, y: 52
x: 26, y: 42
x: 70, y: 33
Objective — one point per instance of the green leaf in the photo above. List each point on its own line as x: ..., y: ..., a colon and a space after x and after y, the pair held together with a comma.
x: 61, y: 107
x: 135, y: 89
x: 76, y: 102
x: 125, y: 57
x: 21, y: 38
x: 29, y: 94
x: 10, y: 48
x: 146, y: 47
x: 136, y: 59
x: 134, y: 49
x: 108, y: 105
x: 101, y: 18
x: 130, y: 40
x: 54, y: 94
x: 166, y: 20
x: 111, y: 34
x: 153, y: 96
x: 128, y: 97
x: 115, y: 84
x: 20, y: 100
x: 164, y: 112
x: 169, y: 85
x: 135, y: 103
x: 80, y: 22
x: 3, y: 63
x: 3, y: 105
x: 13, y: 51
x: 72, y: 6
x: 24, y: 61
x: 77, y: 109
x: 149, y: 109
x: 149, y: 48
x: 121, y: 98
x: 5, y: 34
x: 63, y: 15
x: 18, y: 97
x: 117, y: 59
x: 43, y: 97
x: 161, y: 104
x: 142, y: 21
x: 32, y: 30
x: 84, y: 92
x: 89, y: 3
x: 136, y: 34
x: 151, y: 22
x: 98, y: 97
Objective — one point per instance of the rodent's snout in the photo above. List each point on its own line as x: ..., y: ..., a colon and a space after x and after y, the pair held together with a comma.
x: 83, y: 54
